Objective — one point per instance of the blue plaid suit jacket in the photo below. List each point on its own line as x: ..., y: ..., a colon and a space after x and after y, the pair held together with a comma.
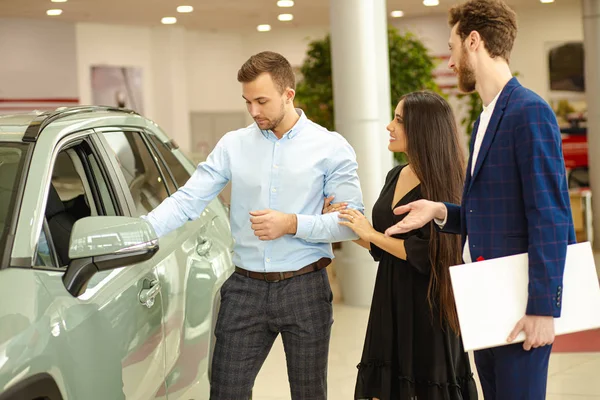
x: 517, y: 199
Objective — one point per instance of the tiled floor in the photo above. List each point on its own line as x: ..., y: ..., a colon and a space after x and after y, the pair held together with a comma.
x: 572, y: 376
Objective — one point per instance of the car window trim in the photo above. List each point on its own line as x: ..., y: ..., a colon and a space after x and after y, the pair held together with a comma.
x: 155, y: 157
x: 110, y: 176
x: 148, y: 137
x: 6, y: 262
x: 93, y: 180
x: 63, y: 144
x: 124, y: 129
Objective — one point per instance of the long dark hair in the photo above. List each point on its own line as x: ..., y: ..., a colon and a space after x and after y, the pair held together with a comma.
x: 436, y: 157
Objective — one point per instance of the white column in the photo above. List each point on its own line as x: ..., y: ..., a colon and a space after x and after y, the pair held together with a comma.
x: 361, y: 91
x: 171, y: 108
x: 591, y: 32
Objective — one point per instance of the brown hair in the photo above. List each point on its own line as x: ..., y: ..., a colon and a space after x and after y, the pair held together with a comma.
x: 437, y: 158
x: 272, y: 63
x: 495, y: 21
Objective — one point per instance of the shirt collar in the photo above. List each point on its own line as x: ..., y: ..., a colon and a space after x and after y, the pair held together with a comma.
x: 295, y: 129
x: 490, y: 107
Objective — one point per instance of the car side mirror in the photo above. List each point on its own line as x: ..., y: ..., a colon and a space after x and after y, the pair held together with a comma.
x: 104, y: 243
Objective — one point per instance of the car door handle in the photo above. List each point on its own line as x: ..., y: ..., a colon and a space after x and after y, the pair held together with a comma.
x: 203, y: 246
x: 148, y: 295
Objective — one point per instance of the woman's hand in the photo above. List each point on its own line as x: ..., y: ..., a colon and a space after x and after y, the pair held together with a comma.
x: 356, y: 221
x: 329, y: 208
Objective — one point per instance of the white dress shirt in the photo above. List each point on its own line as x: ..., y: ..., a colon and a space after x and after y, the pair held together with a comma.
x: 484, y: 121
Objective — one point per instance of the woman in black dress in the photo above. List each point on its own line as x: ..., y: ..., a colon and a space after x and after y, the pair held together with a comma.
x: 412, y: 348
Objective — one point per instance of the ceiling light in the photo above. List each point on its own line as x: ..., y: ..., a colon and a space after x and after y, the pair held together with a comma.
x: 285, y: 17
x: 54, y: 12
x: 547, y: 1
x: 285, y: 3
x: 263, y: 28
x: 397, y: 14
x: 431, y: 3
x: 59, y: 1
x: 169, y: 20
x: 185, y: 9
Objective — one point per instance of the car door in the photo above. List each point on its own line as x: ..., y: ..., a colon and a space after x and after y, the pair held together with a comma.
x: 110, y: 343
x: 192, y: 263
x: 208, y: 267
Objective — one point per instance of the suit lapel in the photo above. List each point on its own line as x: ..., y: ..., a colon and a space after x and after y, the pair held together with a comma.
x: 492, y: 127
x: 471, y: 147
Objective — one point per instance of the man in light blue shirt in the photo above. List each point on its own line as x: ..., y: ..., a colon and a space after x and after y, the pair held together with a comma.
x: 281, y: 168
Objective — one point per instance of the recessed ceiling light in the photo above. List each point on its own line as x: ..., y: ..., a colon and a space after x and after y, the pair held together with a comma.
x: 185, y: 9
x: 263, y: 28
x: 547, y: 1
x: 59, y: 1
x: 397, y: 14
x: 431, y: 3
x: 285, y: 3
x: 285, y: 17
x: 169, y: 20
x: 54, y: 12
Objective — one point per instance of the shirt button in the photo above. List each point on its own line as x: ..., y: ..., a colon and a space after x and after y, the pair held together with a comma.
x: 275, y: 166
x: 470, y: 211
x: 268, y: 260
x: 273, y: 190
x: 277, y: 144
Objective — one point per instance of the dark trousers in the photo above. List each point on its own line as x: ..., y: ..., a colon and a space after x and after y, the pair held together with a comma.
x: 511, y: 373
x: 252, y: 314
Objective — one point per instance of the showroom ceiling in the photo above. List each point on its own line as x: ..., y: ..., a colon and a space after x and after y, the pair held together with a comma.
x: 216, y: 14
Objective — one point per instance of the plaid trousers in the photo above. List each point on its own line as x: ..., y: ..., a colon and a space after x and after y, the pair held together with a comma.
x: 252, y: 314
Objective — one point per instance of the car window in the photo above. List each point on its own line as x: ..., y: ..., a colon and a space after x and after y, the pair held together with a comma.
x: 140, y: 170
x: 77, y: 189
x: 12, y: 159
x: 179, y: 172
x: 103, y: 189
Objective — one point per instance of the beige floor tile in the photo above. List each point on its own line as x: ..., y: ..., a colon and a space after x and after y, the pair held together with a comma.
x: 571, y: 376
x: 574, y: 385
x: 561, y: 362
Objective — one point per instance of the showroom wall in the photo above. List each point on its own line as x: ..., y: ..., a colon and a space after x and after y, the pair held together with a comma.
x: 38, y: 67
x: 195, y: 71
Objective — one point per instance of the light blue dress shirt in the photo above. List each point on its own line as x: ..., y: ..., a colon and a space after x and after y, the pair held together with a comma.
x: 292, y: 175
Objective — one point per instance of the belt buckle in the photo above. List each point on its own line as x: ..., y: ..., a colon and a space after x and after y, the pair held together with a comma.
x: 273, y: 281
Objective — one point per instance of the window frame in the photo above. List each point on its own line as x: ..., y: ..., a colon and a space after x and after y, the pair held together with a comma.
x: 77, y: 142
x: 116, y: 165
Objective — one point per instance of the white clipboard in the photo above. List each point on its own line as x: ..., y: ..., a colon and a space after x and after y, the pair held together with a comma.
x: 491, y: 297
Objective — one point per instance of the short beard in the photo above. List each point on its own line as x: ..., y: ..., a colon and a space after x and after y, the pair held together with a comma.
x: 278, y: 120
x: 466, y: 75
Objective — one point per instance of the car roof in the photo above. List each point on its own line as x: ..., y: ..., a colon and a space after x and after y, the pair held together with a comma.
x: 27, y: 127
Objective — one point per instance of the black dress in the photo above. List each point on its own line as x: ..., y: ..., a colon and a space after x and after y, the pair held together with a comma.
x: 407, y: 354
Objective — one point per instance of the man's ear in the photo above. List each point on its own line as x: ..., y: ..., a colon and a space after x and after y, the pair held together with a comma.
x: 473, y: 41
x: 290, y: 94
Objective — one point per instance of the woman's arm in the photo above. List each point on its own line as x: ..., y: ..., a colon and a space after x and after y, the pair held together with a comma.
x: 389, y: 244
x: 363, y: 243
x: 329, y: 208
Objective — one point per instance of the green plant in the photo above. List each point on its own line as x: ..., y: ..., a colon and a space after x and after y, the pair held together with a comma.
x: 411, y: 69
x: 474, y: 107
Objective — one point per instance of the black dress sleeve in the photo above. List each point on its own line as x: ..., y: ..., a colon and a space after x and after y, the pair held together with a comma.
x: 417, y: 249
x: 375, y: 251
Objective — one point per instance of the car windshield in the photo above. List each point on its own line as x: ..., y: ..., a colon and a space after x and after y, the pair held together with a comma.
x: 12, y: 158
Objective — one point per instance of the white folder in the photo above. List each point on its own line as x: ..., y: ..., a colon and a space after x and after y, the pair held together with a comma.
x: 491, y: 297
